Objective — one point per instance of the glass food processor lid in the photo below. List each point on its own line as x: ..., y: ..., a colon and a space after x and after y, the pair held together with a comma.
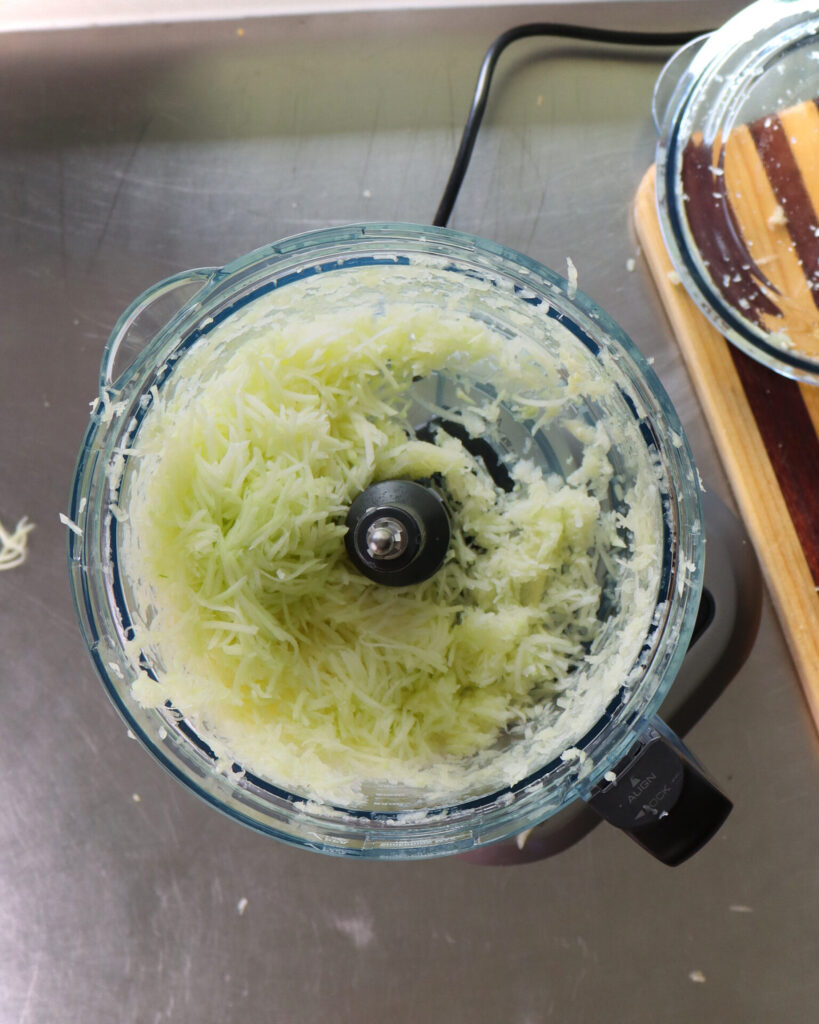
x: 738, y: 180
x: 389, y: 540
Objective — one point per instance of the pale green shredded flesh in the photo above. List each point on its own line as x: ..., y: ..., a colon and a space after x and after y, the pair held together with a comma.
x: 259, y: 627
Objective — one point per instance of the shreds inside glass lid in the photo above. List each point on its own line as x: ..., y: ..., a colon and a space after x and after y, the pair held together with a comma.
x: 249, y: 617
x: 748, y: 188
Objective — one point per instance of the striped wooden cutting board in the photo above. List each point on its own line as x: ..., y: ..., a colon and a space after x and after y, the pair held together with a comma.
x: 765, y: 426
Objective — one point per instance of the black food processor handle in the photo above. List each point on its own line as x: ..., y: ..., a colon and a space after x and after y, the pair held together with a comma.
x: 660, y: 797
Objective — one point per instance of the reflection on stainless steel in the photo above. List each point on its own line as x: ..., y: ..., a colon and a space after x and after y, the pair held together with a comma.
x: 129, y: 154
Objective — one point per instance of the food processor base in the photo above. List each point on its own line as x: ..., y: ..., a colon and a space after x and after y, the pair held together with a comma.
x: 726, y: 628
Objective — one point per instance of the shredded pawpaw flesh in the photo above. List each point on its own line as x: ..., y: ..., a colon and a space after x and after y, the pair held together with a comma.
x: 259, y: 626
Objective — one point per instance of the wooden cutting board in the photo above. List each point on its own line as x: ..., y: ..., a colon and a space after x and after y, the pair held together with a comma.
x: 767, y: 432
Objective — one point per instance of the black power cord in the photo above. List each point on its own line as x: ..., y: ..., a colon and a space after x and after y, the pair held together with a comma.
x: 479, y: 100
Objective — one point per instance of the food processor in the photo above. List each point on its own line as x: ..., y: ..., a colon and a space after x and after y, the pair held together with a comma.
x: 509, y: 369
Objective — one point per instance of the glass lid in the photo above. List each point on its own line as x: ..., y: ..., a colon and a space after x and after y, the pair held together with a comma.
x: 738, y: 183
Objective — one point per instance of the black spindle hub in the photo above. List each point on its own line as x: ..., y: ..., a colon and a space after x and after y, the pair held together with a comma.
x: 397, y: 532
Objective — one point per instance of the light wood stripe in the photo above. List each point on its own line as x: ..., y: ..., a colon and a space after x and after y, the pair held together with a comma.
x: 801, y: 126
x: 763, y: 224
x: 810, y: 396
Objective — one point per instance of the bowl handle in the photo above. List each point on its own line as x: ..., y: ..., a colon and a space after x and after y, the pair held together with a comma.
x: 143, y: 319
x: 660, y: 796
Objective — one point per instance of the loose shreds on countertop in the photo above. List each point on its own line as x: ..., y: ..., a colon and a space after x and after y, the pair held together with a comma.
x: 14, y: 544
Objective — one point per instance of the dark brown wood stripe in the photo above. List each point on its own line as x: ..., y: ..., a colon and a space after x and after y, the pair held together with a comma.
x: 788, y: 185
x: 713, y: 224
x: 792, y: 446
x: 780, y: 412
x: 783, y: 419
x: 787, y: 429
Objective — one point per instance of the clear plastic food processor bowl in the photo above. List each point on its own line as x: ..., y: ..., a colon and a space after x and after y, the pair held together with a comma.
x: 546, y: 323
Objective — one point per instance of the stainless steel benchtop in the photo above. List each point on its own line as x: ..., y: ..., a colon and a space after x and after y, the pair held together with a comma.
x: 127, y: 154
